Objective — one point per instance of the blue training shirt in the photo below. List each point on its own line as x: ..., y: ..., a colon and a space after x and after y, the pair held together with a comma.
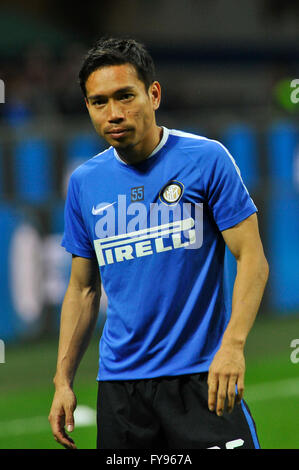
x: 155, y: 228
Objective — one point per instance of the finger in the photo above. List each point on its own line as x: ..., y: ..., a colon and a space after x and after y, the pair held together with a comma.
x: 60, y: 435
x: 63, y: 439
x: 231, y: 393
x: 221, y: 394
x: 240, y: 389
x: 212, y: 392
x: 69, y: 420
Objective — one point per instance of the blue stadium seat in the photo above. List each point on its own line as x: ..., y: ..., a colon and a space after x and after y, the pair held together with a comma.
x: 82, y: 147
x: 56, y: 217
x: 241, y: 141
x: 33, y: 170
x: 282, y: 251
x: 282, y: 141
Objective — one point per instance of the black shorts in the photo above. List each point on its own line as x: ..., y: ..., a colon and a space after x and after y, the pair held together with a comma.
x: 168, y: 413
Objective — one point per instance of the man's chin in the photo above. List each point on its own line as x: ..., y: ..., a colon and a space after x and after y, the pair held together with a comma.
x: 120, y: 143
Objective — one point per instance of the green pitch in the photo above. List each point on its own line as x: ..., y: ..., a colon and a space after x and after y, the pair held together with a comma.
x: 26, y: 390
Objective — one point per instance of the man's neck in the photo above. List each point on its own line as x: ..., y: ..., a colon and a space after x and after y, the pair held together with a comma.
x: 141, y: 151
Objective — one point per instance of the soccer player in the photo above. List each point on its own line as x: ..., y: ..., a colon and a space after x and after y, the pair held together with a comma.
x: 149, y: 219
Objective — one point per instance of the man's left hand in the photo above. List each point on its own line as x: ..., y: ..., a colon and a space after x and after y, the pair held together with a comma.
x: 226, y: 371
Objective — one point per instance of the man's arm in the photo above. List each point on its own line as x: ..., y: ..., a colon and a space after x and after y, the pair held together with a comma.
x: 78, y: 318
x: 228, y: 367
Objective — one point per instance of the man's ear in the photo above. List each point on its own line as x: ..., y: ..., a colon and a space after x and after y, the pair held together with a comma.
x: 155, y: 94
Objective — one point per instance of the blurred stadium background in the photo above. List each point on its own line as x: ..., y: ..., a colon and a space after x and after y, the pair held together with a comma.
x: 227, y: 70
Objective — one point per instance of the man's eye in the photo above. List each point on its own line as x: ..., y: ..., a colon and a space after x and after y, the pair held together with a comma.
x: 127, y: 96
x: 98, y: 103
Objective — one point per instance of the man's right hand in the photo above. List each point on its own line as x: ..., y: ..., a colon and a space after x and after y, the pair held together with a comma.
x: 61, y: 416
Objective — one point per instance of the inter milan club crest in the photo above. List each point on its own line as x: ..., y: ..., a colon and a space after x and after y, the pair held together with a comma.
x: 172, y: 192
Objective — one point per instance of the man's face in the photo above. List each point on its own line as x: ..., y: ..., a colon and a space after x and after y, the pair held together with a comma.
x: 121, y: 109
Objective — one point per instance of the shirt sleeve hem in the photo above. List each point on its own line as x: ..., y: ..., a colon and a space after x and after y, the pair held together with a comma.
x: 78, y: 251
x: 237, y: 218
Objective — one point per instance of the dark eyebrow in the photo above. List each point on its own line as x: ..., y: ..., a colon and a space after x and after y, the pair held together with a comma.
x: 117, y: 92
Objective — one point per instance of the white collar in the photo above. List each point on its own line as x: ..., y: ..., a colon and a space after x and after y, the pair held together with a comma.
x: 156, y: 149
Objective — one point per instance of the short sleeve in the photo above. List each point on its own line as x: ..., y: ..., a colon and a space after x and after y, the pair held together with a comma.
x: 75, y: 238
x: 228, y: 197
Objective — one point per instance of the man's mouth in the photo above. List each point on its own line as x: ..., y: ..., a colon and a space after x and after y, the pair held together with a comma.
x: 118, y: 132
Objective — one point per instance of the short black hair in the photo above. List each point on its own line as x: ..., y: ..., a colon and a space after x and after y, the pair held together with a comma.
x: 118, y: 51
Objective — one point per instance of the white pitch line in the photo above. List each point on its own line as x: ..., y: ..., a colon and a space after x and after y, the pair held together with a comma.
x: 83, y: 415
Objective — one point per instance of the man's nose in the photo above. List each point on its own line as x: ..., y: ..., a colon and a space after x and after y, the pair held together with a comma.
x: 115, y: 111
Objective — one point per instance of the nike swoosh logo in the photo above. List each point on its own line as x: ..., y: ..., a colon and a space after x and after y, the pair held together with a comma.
x: 101, y: 209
